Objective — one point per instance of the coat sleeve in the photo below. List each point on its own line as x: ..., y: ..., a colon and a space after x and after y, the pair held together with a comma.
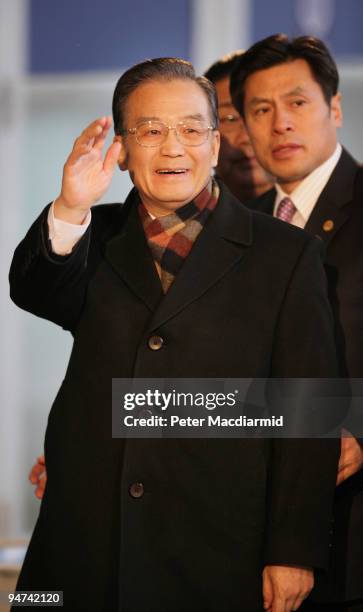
x: 302, y: 471
x: 46, y: 284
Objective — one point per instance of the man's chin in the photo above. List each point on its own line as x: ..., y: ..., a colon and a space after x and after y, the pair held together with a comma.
x: 167, y: 203
x: 177, y: 196
x: 294, y: 176
x: 291, y: 170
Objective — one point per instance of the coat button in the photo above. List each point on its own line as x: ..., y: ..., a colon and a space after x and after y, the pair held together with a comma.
x: 328, y: 225
x: 155, y: 343
x: 136, y: 490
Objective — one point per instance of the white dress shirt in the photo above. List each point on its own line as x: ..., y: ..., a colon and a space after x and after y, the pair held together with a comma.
x: 63, y: 235
x: 307, y: 193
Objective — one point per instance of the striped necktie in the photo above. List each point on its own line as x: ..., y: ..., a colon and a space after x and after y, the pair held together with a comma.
x: 286, y: 210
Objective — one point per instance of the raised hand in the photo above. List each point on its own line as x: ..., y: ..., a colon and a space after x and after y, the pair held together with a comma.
x: 86, y: 174
x: 38, y: 476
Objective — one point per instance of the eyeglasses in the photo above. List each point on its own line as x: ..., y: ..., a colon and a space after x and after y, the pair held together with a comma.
x: 154, y: 133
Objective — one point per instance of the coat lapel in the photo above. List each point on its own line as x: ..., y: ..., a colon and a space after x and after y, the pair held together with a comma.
x: 332, y: 210
x: 129, y: 255
x: 220, y: 245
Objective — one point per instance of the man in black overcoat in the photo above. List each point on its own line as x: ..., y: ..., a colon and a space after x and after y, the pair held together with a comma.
x: 180, y: 281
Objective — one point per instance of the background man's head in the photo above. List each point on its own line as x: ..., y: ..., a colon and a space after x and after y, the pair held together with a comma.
x: 287, y: 92
x: 166, y: 120
x: 237, y: 164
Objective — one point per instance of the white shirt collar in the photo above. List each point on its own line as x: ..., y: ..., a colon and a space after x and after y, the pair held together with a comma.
x: 308, y: 191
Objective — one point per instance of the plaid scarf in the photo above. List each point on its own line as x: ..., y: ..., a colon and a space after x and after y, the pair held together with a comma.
x: 171, y: 237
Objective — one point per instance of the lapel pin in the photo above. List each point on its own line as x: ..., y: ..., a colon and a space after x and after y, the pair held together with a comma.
x: 328, y: 225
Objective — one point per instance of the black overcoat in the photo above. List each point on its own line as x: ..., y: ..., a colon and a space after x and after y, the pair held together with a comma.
x: 337, y: 219
x: 249, y: 301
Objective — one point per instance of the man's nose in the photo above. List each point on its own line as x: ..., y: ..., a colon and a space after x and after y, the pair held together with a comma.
x: 171, y: 145
x: 282, y: 121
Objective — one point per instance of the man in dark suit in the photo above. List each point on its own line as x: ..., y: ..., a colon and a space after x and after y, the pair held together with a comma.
x: 181, y: 281
x: 287, y: 93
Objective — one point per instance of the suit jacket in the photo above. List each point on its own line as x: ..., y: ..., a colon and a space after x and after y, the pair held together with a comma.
x: 213, y: 511
x: 337, y: 219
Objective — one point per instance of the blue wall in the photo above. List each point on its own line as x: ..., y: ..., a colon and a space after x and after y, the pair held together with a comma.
x: 77, y: 35
x: 346, y: 36
x: 343, y: 34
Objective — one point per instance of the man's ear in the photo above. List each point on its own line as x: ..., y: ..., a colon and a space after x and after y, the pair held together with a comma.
x: 216, y: 143
x: 336, y: 110
x: 122, y: 158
